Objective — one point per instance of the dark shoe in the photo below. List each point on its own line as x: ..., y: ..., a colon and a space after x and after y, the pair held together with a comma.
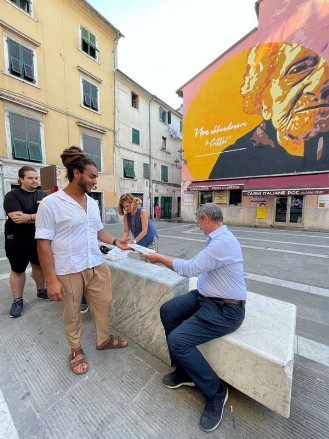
x: 84, y: 307
x: 172, y: 381
x: 42, y: 293
x: 213, y: 411
x: 16, y: 309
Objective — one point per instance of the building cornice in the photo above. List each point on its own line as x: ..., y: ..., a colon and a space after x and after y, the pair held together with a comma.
x: 91, y: 126
x: 17, y: 32
x: 23, y: 102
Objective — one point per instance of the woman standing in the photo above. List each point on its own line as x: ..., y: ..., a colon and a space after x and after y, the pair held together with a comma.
x: 137, y: 221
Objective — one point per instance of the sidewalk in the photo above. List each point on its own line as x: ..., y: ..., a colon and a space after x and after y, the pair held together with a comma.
x: 121, y: 397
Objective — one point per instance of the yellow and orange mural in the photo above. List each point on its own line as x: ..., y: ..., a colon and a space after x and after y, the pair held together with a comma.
x: 264, y: 111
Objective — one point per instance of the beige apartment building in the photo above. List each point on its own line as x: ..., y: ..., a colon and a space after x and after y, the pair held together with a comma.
x: 57, y: 62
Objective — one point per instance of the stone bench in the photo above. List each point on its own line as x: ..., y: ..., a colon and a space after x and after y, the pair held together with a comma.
x: 257, y: 359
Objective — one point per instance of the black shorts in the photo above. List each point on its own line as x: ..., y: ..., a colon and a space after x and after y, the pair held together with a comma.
x: 21, y: 252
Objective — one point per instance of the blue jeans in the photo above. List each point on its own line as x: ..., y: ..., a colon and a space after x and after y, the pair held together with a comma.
x: 190, y: 320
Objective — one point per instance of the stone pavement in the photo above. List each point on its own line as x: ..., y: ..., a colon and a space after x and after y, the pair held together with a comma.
x: 121, y: 397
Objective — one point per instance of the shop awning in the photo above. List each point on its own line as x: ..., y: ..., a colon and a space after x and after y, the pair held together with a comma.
x: 310, y: 184
x: 217, y: 185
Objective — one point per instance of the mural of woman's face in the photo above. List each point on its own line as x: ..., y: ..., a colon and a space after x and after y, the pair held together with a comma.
x: 298, y: 95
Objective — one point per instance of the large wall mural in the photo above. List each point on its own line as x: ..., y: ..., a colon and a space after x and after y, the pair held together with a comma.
x: 264, y: 111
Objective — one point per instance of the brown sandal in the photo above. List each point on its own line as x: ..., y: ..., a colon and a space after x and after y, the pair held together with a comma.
x: 113, y: 343
x: 81, y: 361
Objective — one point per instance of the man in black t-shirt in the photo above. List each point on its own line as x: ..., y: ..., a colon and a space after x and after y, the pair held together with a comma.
x: 21, y: 206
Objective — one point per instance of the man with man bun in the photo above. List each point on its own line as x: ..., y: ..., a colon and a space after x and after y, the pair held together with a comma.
x: 68, y: 227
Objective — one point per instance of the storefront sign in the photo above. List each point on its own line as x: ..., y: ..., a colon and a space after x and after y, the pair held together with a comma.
x: 220, y: 198
x: 323, y: 201
x: 216, y: 187
x: 280, y: 192
x: 188, y: 199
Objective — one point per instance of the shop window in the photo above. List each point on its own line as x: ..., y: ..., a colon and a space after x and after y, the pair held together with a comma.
x: 92, y: 146
x: 134, y: 100
x: 25, y: 138
x: 88, y: 43
x: 206, y: 197
x: 20, y: 61
x: 235, y: 197
x: 164, y: 173
x: 90, y: 95
x: 128, y: 169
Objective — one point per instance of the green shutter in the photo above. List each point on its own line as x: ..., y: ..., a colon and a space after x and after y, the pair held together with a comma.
x: 26, y: 139
x: 164, y: 173
x: 135, y: 136
x: 146, y: 171
x: 169, y: 117
x: 128, y: 169
x: 92, y: 146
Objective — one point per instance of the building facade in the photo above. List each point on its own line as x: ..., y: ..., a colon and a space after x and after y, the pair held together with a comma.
x: 256, y: 123
x: 56, y: 90
x: 148, y: 148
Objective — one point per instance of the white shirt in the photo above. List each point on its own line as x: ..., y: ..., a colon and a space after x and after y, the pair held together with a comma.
x: 219, y: 267
x: 71, y: 230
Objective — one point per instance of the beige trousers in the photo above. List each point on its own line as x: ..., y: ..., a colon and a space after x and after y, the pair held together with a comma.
x: 95, y: 284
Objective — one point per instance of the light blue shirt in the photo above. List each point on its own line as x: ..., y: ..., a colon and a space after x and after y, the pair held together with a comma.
x: 219, y: 267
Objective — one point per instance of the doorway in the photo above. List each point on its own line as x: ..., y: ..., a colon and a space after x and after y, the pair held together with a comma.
x: 289, y: 210
x: 166, y: 203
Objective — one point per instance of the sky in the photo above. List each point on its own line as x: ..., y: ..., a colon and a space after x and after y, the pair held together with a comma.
x: 167, y: 42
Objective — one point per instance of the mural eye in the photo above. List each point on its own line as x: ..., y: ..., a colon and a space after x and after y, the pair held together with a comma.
x: 302, y: 65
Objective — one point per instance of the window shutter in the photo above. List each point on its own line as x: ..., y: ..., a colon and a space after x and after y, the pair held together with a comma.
x: 92, y: 145
x: 135, y: 136
x: 34, y: 140
x: 18, y: 136
x: 15, y: 57
x: 94, y: 97
x: 169, y: 117
x: 146, y: 171
x: 86, y: 94
x: 28, y: 64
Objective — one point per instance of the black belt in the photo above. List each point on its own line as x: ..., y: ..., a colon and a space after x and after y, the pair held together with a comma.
x: 232, y: 301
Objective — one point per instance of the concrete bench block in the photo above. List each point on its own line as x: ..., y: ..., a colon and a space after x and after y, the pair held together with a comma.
x: 258, y: 358
x: 139, y: 289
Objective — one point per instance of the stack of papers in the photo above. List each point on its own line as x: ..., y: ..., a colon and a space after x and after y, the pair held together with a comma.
x: 116, y: 253
x: 141, y: 249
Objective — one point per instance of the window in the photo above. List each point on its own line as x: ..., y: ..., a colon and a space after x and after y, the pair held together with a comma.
x: 180, y: 125
x: 146, y: 171
x: 162, y: 115
x: 169, y: 117
x: 20, y: 61
x: 134, y: 100
x: 88, y: 43
x: 90, y: 95
x: 163, y: 142
x: 128, y: 169
x: 135, y: 136
x: 235, y: 196
x: 25, y: 5
x: 92, y: 145
x: 25, y: 138
x: 164, y: 173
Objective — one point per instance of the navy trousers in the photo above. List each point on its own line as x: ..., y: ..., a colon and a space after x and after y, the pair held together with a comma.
x: 190, y: 320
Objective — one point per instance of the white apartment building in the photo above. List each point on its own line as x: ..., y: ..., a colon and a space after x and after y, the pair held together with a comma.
x: 148, y: 148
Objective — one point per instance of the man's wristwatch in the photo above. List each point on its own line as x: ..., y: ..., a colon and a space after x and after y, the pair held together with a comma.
x: 114, y: 242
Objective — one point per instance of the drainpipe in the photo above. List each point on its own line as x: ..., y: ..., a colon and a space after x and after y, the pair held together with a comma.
x: 150, y: 162
x: 115, y: 61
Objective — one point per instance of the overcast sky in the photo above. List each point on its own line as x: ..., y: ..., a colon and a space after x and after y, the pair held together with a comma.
x: 167, y: 42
